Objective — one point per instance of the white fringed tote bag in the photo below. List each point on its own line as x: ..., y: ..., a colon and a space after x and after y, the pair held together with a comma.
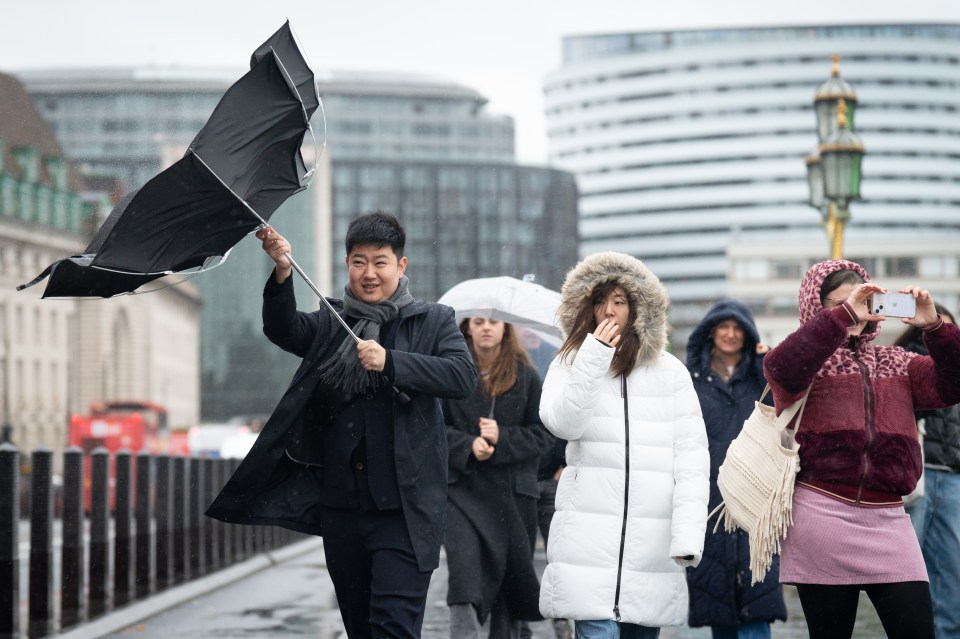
x: 756, y: 481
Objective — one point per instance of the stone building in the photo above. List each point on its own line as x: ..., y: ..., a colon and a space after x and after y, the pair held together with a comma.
x: 57, y: 356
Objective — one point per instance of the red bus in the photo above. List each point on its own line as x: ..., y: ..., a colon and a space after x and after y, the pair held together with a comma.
x: 116, y: 425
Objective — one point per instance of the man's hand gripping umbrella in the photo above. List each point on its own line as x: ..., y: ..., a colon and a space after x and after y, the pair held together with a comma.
x: 277, y: 247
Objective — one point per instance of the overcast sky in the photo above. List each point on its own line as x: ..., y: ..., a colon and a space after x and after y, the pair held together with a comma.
x: 503, y: 48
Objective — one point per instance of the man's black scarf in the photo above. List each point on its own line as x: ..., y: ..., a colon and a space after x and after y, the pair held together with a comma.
x: 343, y: 369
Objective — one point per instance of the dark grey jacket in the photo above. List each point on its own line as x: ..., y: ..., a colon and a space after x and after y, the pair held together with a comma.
x: 941, y: 443
x: 430, y: 362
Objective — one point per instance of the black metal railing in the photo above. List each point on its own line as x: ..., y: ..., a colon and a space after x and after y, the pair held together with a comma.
x: 160, y: 539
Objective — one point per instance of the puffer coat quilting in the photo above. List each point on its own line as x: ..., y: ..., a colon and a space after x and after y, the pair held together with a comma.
x: 651, y: 493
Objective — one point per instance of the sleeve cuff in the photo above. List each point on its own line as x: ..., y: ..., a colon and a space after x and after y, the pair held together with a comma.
x: 850, y: 314
x: 601, y: 341
x: 388, y: 369
x: 936, y: 325
x: 273, y: 289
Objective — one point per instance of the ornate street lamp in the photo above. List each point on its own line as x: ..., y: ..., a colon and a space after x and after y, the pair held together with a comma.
x: 826, y: 102
x: 833, y: 174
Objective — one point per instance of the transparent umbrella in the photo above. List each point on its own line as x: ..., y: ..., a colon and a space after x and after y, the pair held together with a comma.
x: 507, y: 299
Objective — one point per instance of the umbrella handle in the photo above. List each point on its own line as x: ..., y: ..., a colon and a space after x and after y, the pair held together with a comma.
x: 402, y: 398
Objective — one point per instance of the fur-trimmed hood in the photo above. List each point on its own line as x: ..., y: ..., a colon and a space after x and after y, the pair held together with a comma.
x: 643, y: 288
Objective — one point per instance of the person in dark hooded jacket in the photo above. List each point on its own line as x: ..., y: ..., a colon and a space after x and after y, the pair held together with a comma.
x: 724, y: 357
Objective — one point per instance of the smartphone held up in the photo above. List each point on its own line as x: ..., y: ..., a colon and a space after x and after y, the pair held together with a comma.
x: 893, y: 304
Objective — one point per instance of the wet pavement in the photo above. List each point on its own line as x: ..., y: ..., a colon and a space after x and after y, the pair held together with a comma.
x: 295, y: 598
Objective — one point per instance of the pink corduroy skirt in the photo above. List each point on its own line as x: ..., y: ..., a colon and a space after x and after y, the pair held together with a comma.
x: 835, y: 543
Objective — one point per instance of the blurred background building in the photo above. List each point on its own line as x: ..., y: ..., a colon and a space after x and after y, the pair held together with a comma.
x: 425, y: 149
x: 58, y: 356
x: 683, y: 140
x: 765, y: 268
x: 410, y: 117
x: 117, y: 122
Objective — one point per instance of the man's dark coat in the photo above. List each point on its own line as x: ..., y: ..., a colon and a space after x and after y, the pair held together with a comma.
x: 430, y: 361
x: 489, y: 550
x: 720, y: 590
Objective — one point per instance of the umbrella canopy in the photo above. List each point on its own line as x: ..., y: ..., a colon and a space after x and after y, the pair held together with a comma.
x: 507, y: 299
x: 242, y: 165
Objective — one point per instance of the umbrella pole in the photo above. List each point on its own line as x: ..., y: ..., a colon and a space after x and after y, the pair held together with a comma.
x: 323, y: 299
x: 401, y: 397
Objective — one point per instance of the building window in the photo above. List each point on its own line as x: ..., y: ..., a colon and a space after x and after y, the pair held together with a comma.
x: 933, y: 266
x: 787, y: 270
x: 750, y: 269
x: 54, y: 383
x: 869, y: 264
x: 901, y: 266
x: 783, y: 306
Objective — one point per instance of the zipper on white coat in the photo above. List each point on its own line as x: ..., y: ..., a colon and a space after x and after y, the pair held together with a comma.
x: 626, y: 491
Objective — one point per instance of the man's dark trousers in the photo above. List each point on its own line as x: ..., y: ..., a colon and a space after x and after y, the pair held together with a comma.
x: 380, y: 590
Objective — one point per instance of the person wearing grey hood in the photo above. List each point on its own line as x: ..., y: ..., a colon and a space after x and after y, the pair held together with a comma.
x: 725, y: 359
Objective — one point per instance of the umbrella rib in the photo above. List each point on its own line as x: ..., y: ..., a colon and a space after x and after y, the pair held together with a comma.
x: 119, y: 272
x: 293, y: 263
x: 291, y: 83
x: 303, y: 108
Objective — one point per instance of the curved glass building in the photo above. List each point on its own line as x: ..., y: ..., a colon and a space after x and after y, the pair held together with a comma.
x: 682, y: 139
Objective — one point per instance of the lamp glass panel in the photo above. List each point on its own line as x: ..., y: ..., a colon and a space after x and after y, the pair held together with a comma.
x: 841, y: 174
x: 826, y: 118
x: 815, y: 183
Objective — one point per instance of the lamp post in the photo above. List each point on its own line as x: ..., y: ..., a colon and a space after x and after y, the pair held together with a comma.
x: 833, y: 171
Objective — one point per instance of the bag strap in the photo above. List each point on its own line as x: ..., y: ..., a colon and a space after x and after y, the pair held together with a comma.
x: 782, y: 421
x: 803, y: 405
x: 795, y: 409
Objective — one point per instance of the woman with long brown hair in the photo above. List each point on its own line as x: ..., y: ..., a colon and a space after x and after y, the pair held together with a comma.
x: 631, y: 507
x: 495, y: 439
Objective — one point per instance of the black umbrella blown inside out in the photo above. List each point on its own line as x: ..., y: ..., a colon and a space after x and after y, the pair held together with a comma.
x: 242, y: 165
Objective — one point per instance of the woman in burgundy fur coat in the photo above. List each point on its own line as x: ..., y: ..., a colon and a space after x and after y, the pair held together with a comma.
x: 859, y: 451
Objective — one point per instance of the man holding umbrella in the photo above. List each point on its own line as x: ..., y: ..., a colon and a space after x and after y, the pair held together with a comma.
x: 356, y: 449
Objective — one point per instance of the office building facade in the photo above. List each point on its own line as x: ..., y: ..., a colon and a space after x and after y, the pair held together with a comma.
x: 680, y: 139
x: 463, y: 220
x: 427, y: 150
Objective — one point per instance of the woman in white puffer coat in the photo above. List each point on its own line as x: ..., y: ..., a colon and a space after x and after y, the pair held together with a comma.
x: 631, y: 507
